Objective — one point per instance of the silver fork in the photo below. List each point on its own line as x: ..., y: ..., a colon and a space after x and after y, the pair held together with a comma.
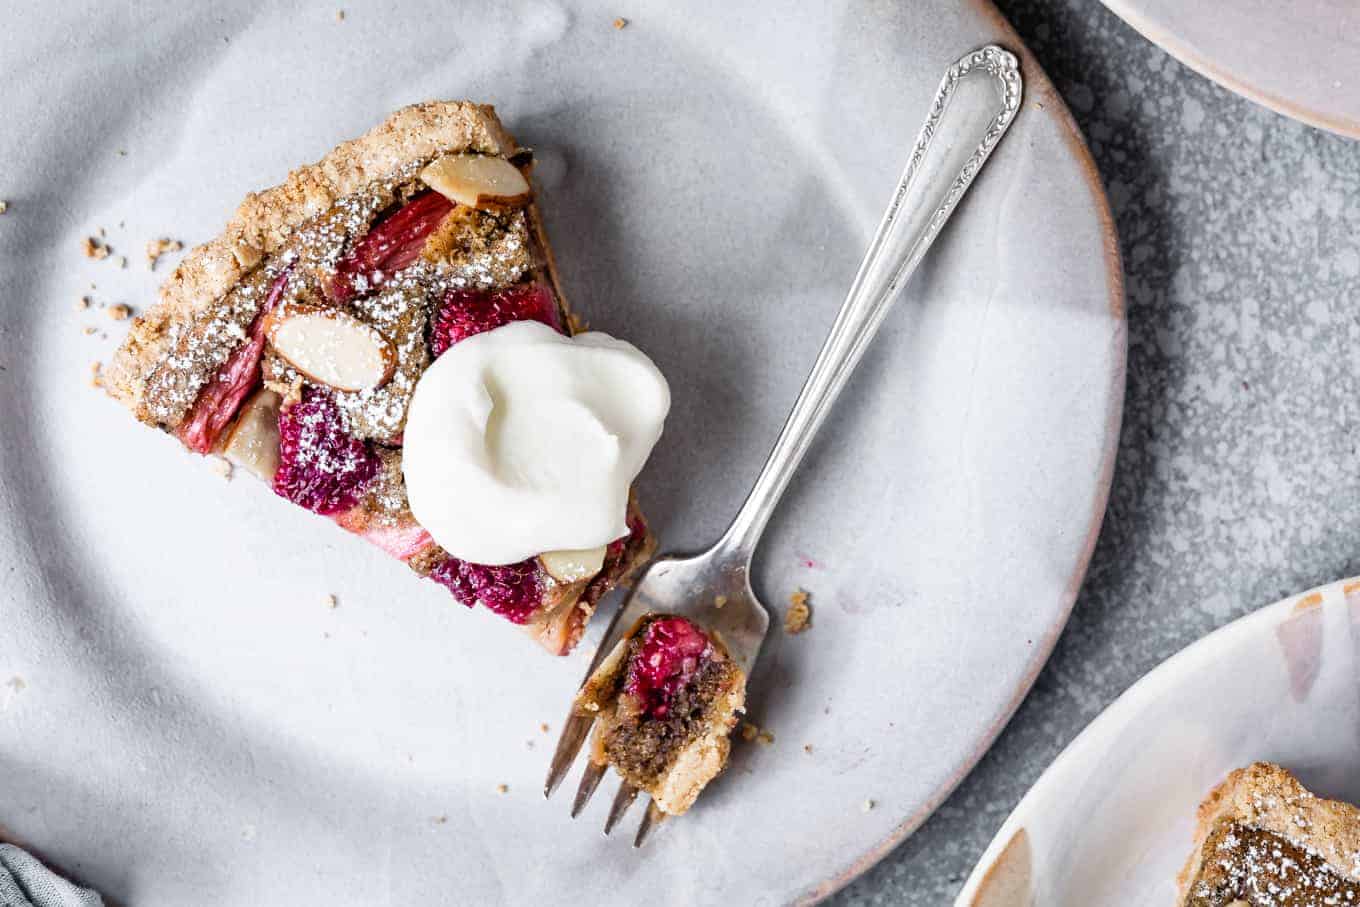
x: 977, y: 100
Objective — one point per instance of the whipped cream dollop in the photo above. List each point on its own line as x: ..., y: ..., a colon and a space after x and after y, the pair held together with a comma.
x: 520, y: 440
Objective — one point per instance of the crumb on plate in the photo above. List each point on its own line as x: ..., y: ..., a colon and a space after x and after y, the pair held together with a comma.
x: 94, y: 248
x: 754, y: 732
x: 799, y: 616
x: 157, y: 247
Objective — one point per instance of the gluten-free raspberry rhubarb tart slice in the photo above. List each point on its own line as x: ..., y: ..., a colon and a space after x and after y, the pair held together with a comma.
x: 383, y: 339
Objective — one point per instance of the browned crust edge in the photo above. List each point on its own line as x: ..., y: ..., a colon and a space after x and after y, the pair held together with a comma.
x: 1266, y: 796
x: 265, y: 220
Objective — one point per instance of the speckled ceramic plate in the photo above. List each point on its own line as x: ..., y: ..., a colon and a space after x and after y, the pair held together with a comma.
x: 187, y: 720
x: 1110, y: 821
x: 1300, y: 58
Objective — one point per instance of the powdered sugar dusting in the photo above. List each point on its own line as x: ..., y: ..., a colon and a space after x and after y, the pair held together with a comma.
x: 1266, y: 870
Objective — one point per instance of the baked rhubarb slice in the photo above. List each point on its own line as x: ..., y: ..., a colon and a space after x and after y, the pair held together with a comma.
x: 294, y: 341
x: 665, y: 701
x: 1263, y: 840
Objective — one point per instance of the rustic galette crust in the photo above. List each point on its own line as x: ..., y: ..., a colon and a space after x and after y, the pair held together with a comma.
x: 265, y: 220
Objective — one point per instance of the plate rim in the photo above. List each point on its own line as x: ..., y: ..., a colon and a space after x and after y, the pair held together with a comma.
x: 1037, y: 84
x: 1142, y: 688
x: 1230, y: 77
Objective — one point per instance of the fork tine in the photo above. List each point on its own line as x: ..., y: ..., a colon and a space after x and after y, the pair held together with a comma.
x: 650, y: 821
x: 622, y: 800
x: 568, y: 745
x: 589, y: 781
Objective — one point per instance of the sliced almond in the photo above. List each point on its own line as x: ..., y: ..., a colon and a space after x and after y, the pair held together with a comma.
x: 478, y: 180
x: 254, y: 440
x: 331, y: 347
x: 573, y: 566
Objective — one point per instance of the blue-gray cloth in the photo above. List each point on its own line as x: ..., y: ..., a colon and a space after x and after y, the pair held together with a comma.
x: 25, y: 882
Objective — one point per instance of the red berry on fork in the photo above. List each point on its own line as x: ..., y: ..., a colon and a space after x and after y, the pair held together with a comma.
x: 670, y: 654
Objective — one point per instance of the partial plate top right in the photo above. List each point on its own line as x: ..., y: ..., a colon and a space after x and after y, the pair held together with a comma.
x: 1111, y: 820
x: 1299, y: 58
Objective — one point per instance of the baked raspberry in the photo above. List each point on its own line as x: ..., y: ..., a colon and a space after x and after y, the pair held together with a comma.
x: 670, y: 653
x: 321, y: 466
x: 221, y: 398
x: 390, y: 245
x: 614, y: 551
x: 513, y: 591
x: 467, y: 312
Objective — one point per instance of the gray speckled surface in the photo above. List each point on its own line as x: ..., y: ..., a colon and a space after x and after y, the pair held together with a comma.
x: 1237, y: 476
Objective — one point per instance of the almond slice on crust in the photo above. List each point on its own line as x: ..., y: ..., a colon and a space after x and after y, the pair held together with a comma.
x: 331, y: 347
x: 573, y: 566
x: 478, y: 181
x: 254, y: 440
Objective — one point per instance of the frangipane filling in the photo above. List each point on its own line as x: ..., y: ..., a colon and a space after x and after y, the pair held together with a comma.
x: 1252, y: 866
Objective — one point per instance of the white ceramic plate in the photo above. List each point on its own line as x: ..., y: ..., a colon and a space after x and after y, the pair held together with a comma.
x: 1300, y: 58
x: 1111, y: 819
x: 194, y: 719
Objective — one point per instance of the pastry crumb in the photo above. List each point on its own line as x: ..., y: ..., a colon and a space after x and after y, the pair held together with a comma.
x: 4, y: 206
x: 620, y: 23
x: 95, y: 248
x: 95, y: 368
x: 753, y: 732
x: 440, y: 820
x: 799, y: 616
x: 868, y: 805
x: 157, y: 247
x: 122, y: 261
x: 220, y: 466
x: 331, y: 601
x: 120, y: 312
x: 339, y: 15
x: 543, y: 727
x: 82, y: 303
x: 719, y: 601
x: 89, y: 329
x: 807, y: 748
x: 502, y: 788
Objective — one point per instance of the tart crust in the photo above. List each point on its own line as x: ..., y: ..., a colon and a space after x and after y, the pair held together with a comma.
x: 265, y: 221
x: 1267, y: 798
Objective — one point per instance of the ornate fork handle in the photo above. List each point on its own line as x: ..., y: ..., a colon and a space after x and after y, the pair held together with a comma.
x: 975, y: 105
